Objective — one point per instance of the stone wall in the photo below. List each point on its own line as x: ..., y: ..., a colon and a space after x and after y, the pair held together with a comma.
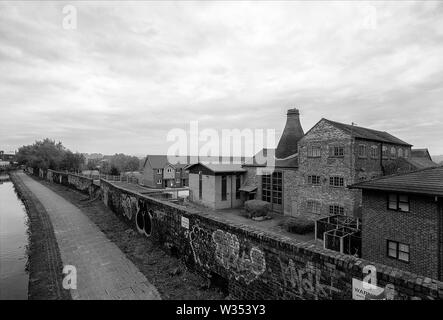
x: 252, y: 264
x: 83, y: 184
x: 325, y: 135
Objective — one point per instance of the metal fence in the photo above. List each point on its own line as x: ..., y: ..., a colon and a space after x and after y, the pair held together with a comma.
x: 340, y: 233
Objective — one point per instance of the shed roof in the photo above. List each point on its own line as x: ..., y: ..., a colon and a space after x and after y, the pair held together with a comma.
x: 427, y: 181
x: 220, y: 167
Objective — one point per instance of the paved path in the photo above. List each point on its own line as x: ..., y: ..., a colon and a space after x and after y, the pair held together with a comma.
x: 103, y: 271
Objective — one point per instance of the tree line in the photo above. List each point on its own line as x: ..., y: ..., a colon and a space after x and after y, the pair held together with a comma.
x: 48, y: 154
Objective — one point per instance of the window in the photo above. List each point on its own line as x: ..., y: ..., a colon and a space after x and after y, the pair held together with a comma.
x: 374, y: 152
x: 397, y: 250
x: 406, y: 153
x: 362, y: 151
x: 313, y: 206
x: 314, y: 180
x: 398, y: 202
x: 337, y: 151
x: 385, y: 152
x: 393, y: 153
x: 200, y: 185
x: 159, y: 171
x: 266, y: 187
x: 336, y: 182
x: 400, y: 153
x: 224, y: 188
x: 237, y: 186
x: 314, y: 152
x: 159, y: 181
x: 336, y: 210
x: 272, y: 187
x: 169, y: 170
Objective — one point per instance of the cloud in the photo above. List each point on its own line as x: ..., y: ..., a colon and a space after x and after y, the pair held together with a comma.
x: 132, y: 71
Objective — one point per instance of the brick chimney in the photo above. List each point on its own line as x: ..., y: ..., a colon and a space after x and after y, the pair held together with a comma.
x: 291, y: 134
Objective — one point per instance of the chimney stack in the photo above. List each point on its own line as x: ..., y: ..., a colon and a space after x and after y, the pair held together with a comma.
x: 293, y: 132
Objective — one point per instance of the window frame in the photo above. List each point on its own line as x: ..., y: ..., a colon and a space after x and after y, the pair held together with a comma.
x: 335, y: 151
x: 312, y: 154
x: 374, y: 152
x: 312, y: 178
x: 365, y: 151
x: 398, y: 251
x: 398, y: 202
x: 315, y: 204
x: 336, y: 210
x: 341, y: 181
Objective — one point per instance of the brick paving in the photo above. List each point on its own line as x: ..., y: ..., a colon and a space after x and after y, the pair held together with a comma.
x: 103, y: 271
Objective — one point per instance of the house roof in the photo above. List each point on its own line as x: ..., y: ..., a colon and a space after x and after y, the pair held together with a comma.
x: 427, y: 181
x: 367, y: 134
x: 220, y: 167
x: 420, y: 153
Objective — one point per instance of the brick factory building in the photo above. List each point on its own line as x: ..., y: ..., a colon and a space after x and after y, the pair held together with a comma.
x: 402, y: 221
x: 333, y: 155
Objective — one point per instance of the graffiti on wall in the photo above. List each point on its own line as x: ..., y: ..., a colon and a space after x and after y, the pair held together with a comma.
x: 79, y: 183
x: 129, y: 205
x: 228, y: 254
x: 201, y: 245
x: 307, y: 280
x: 143, y: 218
x: 226, y: 249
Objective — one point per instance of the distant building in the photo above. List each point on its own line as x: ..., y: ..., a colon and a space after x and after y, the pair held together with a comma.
x: 10, y: 157
x: 402, y: 220
x: 159, y: 173
x: 420, y: 159
x: 216, y: 185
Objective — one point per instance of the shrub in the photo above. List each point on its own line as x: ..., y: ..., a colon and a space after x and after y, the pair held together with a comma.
x: 299, y: 225
x: 257, y: 208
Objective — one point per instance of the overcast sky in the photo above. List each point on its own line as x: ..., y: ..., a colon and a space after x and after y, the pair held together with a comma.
x: 130, y: 72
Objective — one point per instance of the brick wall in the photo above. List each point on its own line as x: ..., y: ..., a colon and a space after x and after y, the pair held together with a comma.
x: 417, y: 228
x: 252, y: 264
x: 326, y: 135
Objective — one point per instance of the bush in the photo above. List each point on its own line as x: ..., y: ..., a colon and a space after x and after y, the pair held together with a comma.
x: 299, y: 225
x: 257, y: 208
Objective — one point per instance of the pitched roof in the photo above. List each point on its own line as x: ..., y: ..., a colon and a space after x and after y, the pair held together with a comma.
x: 220, y: 167
x: 367, y: 134
x: 427, y: 181
x: 156, y: 161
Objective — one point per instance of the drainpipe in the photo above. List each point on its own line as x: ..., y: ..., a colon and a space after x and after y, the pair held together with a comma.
x: 381, y: 159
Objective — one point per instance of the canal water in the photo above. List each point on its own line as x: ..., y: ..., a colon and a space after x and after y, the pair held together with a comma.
x: 13, y: 243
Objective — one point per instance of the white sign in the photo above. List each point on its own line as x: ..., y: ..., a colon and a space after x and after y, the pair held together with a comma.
x: 366, y: 291
x: 185, y: 222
